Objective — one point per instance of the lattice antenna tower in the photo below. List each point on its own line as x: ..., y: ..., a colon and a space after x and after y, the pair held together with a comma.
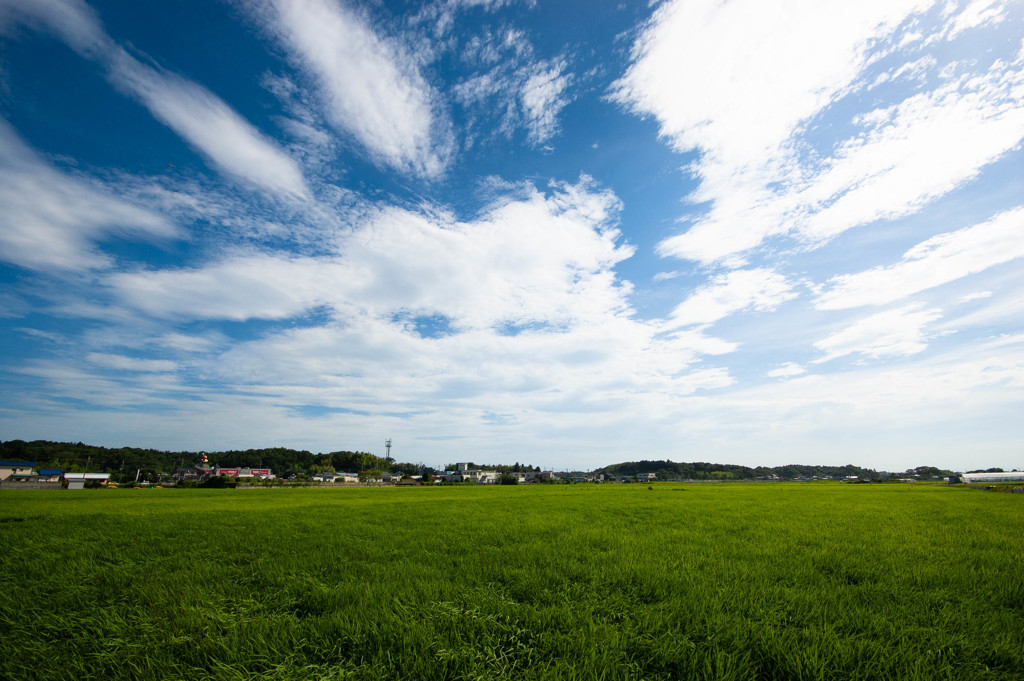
x: 387, y: 448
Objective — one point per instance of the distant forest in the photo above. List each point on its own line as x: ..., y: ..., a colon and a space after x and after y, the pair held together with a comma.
x: 717, y: 471
x: 127, y: 462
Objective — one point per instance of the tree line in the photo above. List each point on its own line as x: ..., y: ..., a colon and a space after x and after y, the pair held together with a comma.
x: 702, y: 470
x: 129, y: 461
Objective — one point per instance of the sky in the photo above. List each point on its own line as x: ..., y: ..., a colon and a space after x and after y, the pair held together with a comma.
x: 567, y: 233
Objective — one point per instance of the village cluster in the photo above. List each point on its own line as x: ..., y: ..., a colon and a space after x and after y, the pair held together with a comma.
x: 25, y: 475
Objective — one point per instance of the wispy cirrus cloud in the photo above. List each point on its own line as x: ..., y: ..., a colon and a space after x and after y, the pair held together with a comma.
x: 789, y: 142
x: 211, y: 127
x: 202, y: 119
x: 754, y: 289
x: 911, y: 153
x: 894, y: 333
x: 543, y: 97
x: 977, y: 13
x: 787, y: 370
x: 126, y: 363
x: 513, y: 90
x: 933, y: 262
x: 52, y: 219
x: 765, y: 69
x: 371, y: 86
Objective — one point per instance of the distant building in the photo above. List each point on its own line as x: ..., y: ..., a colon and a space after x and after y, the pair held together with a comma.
x: 464, y: 473
x: 51, y: 474
x: 78, y: 480
x: 261, y: 473
x: 9, y: 468
x: 47, y: 478
x: 203, y: 472
x: 979, y: 478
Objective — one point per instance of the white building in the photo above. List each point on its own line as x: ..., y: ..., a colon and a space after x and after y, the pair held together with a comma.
x: 978, y: 478
x: 78, y: 480
x: 464, y: 473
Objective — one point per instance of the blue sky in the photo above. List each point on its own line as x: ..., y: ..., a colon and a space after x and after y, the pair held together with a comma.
x: 568, y: 233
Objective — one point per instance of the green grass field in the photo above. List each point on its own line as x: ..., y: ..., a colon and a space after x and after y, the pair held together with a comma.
x: 729, y: 581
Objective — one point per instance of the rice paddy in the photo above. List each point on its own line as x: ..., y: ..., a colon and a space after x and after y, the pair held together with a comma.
x: 726, y: 581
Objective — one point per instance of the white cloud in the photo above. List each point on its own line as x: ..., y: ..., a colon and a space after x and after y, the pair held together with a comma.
x: 735, y: 79
x: 605, y: 365
x: 260, y: 287
x: 197, y: 115
x: 769, y: 117
x: 52, y: 220
x: 211, y: 126
x: 978, y: 13
x: 73, y: 20
x: 137, y: 390
x: 980, y: 295
x: 757, y: 289
x: 787, y: 370
x: 442, y: 13
x: 926, y: 146
x: 516, y: 91
x: 190, y: 343
x: 537, y: 260
x: 936, y: 261
x: 123, y: 363
x: 893, y: 333
x: 543, y: 98
x: 533, y: 321
x: 957, y: 407
x: 371, y: 85
x: 1001, y: 308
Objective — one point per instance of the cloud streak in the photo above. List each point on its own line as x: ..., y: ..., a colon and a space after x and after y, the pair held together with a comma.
x: 754, y: 289
x: 893, y: 333
x: 371, y: 86
x: 933, y: 262
x: 774, y: 160
x: 198, y: 116
x: 51, y: 220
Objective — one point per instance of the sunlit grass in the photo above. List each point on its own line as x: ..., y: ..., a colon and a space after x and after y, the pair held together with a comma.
x: 552, y: 582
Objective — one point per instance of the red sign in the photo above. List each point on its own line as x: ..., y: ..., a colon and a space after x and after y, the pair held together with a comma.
x: 227, y: 471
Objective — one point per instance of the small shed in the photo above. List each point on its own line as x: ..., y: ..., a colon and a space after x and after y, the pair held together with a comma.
x: 78, y: 480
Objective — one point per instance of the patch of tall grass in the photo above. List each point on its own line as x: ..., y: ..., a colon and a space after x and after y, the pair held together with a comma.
x: 738, y: 581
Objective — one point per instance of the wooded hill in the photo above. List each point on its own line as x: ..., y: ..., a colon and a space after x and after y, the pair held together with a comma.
x: 701, y: 470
